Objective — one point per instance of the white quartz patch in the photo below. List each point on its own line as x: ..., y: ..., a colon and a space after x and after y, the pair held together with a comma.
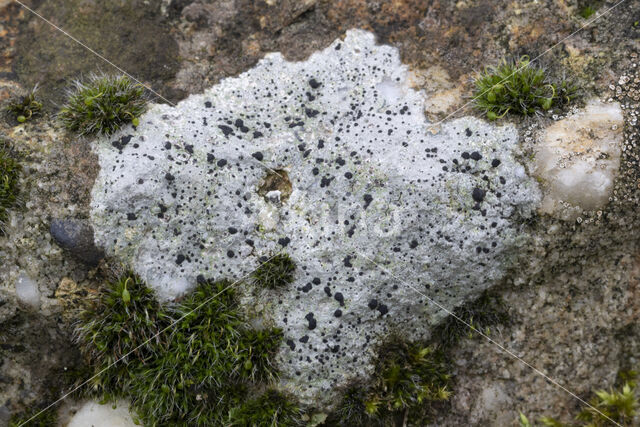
x: 93, y: 414
x: 27, y: 291
x: 578, y: 159
x: 178, y: 200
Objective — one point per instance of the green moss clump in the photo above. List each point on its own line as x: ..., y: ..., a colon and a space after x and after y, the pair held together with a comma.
x: 125, y: 318
x: 518, y: 87
x: 103, y: 105
x: 587, y: 11
x: 190, y: 363
x: 486, y: 311
x: 352, y: 410
x: 26, y: 107
x: 49, y: 418
x: 9, y: 174
x: 272, y: 409
x: 409, y: 378
x: 620, y: 405
x: 275, y: 273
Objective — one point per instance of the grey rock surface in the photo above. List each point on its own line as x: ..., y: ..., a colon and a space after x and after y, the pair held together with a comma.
x: 369, y: 188
x: 76, y: 236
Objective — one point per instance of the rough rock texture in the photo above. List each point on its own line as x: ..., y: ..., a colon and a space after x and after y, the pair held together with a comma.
x: 584, y: 266
x: 54, y: 64
x: 179, y: 198
x: 573, y: 301
x: 35, y: 354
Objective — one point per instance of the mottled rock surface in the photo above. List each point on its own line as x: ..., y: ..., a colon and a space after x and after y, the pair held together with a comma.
x: 574, y: 314
x: 179, y: 197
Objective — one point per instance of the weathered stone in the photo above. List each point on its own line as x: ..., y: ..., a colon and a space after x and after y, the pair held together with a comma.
x: 35, y: 354
x: 119, y: 30
x: 369, y: 186
x: 76, y: 236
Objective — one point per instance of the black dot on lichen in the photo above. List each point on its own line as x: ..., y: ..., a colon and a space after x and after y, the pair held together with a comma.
x: 312, y: 321
x: 478, y: 194
x: 367, y: 200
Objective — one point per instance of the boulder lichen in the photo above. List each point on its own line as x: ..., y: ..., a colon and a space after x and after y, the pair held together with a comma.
x: 179, y: 197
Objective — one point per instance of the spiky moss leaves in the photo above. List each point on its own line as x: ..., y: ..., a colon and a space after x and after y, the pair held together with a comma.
x: 102, y: 105
x: 275, y: 272
x: 125, y: 319
x: 352, y: 410
x: 9, y: 174
x: 409, y: 378
x: 49, y: 418
x: 481, y: 314
x: 586, y: 9
x: 518, y: 87
x: 620, y: 405
x: 271, y: 409
x: 190, y: 362
x: 26, y: 107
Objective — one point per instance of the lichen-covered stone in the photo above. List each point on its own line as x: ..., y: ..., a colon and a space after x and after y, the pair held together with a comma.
x: 367, y: 183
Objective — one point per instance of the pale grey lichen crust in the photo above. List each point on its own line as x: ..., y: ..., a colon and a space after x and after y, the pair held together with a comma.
x: 177, y: 198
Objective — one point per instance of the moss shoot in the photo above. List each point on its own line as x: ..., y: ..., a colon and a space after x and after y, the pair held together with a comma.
x: 275, y: 273
x: 26, y: 107
x: 9, y: 174
x: 48, y: 418
x: 102, y: 105
x: 409, y: 378
x: 272, y: 409
x: 481, y: 314
x: 186, y: 364
x: 620, y: 405
x: 517, y: 87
